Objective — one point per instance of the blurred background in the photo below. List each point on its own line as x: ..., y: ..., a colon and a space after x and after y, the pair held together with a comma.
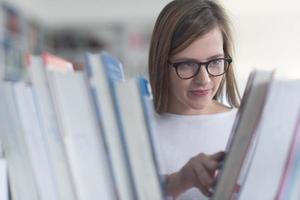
x: 266, y: 32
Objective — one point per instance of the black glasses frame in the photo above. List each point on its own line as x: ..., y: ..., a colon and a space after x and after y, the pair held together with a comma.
x: 206, y: 64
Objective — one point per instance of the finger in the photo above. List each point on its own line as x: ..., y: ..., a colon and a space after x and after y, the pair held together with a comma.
x: 211, y: 165
x: 204, y: 190
x: 219, y: 156
x: 203, y: 176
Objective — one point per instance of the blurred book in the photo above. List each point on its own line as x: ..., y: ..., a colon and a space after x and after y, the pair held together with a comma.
x: 3, y: 180
x: 81, y: 135
x: 20, y: 170
x: 290, y: 181
x: 74, y: 135
x: 103, y: 70
x: 51, y: 133
x: 34, y: 141
x: 136, y: 134
x: 13, y: 43
x: 56, y: 63
x: 149, y: 114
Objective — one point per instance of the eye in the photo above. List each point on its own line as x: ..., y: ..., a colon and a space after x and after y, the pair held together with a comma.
x: 216, y: 63
x: 187, y: 65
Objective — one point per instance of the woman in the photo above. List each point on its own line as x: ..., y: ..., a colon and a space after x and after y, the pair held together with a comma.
x: 190, y: 69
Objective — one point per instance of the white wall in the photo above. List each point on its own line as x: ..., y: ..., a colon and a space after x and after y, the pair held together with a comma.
x: 267, y: 36
x: 59, y: 13
x: 267, y: 32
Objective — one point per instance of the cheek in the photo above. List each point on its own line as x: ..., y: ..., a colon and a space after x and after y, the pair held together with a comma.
x: 178, y: 86
x: 174, y: 85
x: 217, y: 82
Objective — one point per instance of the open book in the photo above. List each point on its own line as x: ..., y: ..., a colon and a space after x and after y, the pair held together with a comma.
x: 290, y: 182
x: 261, y: 138
x: 242, y: 136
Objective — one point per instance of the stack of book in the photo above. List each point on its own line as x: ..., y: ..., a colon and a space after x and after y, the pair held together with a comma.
x: 78, y: 134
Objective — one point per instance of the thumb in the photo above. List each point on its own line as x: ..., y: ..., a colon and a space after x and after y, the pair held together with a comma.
x: 219, y: 156
x: 204, y: 190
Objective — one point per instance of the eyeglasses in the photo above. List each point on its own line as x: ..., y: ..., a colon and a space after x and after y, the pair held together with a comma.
x: 189, y: 68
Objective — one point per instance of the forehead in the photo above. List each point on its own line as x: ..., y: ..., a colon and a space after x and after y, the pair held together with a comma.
x: 203, y: 47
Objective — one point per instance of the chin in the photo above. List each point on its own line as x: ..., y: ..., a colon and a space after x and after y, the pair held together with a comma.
x: 199, y: 106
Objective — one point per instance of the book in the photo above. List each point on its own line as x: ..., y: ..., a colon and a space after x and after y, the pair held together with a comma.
x: 51, y: 133
x: 113, y: 67
x: 290, y: 181
x: 73, y: 135
x: 242, y: 138
x: 103, y: 70
x: 34, y: 141
x: 149, y: 114
x: 81, y: 136
x: 136, y: 135
x: 275, y: 129
x: 20, y: 173
x: 3, y: 180
x: 12, y: 42
x: 53, y: 62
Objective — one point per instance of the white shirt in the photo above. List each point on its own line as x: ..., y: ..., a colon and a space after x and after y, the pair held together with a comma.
x: 181, y: 137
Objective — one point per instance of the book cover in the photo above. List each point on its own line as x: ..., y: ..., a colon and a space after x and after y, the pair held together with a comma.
x: 290, y: 181
x: 103, y: 70
x: 275, y: 133
x: 149, y: 115
x: 3, y: 180
x: 20, y: 171
x: 34, y: 141
x: 49, y: 125
x: 138, y: 144
x: 243, y: 134
x: 81, y: 135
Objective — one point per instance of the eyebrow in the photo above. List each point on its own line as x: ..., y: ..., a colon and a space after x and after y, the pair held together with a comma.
x: 193, y: 59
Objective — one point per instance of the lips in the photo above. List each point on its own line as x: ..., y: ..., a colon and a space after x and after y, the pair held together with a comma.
x: 200, y: 92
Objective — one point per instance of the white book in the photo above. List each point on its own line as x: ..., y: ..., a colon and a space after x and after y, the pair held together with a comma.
x: 20, y: 171
x: 275, y: 132
x: 35, y: 142
x: 139, y: 148
x: 100, y: 84
x: 242, y: 138
x: 290, y: 181
x: 53, y: 139
x: 81, y: 135
x: 149, y: 113
x: 3, y: 180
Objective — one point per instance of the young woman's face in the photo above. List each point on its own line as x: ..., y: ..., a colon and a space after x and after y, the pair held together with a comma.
x: 194, y: 96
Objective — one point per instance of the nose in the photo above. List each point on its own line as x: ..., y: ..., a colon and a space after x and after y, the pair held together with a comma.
x: 202, y: 77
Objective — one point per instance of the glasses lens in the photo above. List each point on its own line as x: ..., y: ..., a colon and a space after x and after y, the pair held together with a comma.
x: 218, y: 66
x: 186, y: 69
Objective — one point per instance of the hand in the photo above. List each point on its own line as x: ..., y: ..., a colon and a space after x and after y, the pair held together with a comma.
x: 198, y: 172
